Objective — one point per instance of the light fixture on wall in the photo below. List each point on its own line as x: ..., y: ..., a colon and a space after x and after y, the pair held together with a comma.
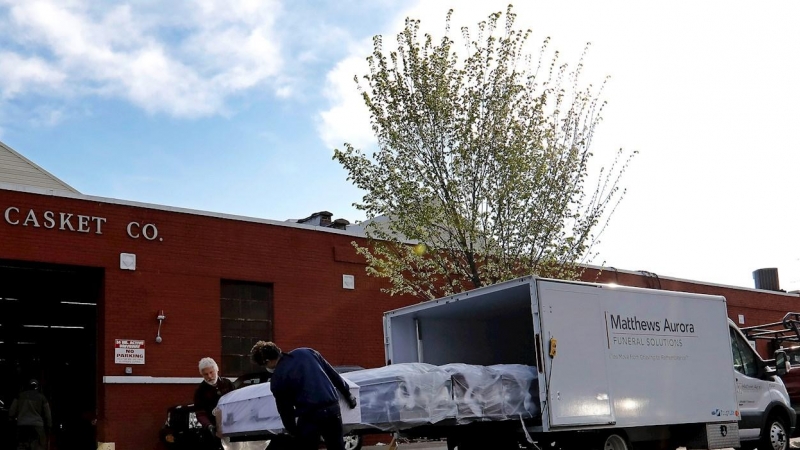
x: 160, y: 319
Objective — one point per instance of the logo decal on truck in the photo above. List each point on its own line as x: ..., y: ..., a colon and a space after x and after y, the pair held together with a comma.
x: 618, y: 322
x: 628, y: 331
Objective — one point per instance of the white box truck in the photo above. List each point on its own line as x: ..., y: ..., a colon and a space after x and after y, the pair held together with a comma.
x: 618, y: 367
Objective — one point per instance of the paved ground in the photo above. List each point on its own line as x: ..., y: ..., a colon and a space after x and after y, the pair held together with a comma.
x: 441, y: 446
x: 417, y: 446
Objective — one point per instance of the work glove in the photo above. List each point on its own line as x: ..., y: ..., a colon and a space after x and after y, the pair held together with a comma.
x: 351, y: 401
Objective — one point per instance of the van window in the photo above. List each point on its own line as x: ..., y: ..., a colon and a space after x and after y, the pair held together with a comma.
x: 744, y: 358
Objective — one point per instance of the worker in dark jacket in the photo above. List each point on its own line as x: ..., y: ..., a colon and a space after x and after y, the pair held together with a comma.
x: 33, y: 417
x: 305, y: 388
x: 206, y: 398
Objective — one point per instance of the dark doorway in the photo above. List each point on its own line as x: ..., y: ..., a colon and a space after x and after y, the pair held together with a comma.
x: 48, y: 332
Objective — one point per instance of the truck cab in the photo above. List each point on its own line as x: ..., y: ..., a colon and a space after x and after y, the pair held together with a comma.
x: 767, y: 418
x: 783, y: 336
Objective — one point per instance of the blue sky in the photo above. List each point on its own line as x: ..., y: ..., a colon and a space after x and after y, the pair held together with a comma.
x: 235, y: 106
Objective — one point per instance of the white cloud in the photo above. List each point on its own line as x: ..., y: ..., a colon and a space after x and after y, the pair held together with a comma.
x: 182, y: 59
x: 47, y: 116
x: 347, y: 120
x: 19, y: 74
x: 285, y: 91
x: 235, y: 40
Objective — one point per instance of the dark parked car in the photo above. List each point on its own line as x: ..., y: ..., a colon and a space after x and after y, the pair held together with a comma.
x: 182, y: 431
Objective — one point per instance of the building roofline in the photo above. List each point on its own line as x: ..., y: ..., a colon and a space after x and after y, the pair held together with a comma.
x: 78, y: 196
x: 686, y: 280
x: 67, y: 187
x: 196, y: 212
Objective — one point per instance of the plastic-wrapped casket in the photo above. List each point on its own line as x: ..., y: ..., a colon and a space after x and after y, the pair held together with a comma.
x: 500, y: 392
x: 252, y: 410
x: 403, y: 396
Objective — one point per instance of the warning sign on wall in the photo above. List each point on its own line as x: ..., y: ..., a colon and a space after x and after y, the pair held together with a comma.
x: 127, y: 351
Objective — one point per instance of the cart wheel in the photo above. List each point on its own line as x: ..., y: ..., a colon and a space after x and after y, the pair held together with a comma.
x: 352, y: 442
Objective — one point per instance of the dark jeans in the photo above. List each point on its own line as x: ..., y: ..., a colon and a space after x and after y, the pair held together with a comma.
x: 31, y: 438
x: 325, y: 423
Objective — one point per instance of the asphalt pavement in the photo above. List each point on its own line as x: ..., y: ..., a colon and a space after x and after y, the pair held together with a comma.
x: 795, y: 443
x: 416, y: 446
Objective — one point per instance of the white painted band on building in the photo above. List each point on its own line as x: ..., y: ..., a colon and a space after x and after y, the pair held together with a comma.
x: 152, y: 380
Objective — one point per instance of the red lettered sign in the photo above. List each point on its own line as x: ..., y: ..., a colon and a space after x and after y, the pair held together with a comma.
x: 128, y: 351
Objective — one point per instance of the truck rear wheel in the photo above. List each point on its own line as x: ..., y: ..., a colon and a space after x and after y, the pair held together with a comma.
x: 615, y: 441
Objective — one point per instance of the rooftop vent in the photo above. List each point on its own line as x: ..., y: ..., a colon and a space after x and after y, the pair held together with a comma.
x: 323, y: 219
x: 340, y: 224
x: 767, y: 279
x: 319, y: 219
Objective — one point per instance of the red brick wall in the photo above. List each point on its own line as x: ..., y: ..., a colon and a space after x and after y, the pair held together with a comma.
x: 181, y: 273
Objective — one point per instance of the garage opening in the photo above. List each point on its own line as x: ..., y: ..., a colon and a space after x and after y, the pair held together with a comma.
x: 48, y: 332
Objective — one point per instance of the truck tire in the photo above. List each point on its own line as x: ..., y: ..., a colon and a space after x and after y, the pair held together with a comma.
x: 614, y: 441
x: 774, y: 435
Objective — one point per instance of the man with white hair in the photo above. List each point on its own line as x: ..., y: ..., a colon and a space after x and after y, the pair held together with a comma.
x: 206, y: 397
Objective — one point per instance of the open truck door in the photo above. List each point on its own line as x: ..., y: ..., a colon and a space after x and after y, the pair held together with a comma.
x: 574, y: 358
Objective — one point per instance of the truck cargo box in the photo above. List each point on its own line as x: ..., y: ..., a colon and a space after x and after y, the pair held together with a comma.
x: 605, y: 355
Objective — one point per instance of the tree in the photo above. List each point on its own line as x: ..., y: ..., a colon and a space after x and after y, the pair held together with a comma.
x: 481, y: 165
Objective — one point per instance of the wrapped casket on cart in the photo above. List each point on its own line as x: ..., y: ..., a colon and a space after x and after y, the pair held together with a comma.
x: 401, y: 397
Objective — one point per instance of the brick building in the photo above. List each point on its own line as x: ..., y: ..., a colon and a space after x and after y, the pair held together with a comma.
x: 81, y: 275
